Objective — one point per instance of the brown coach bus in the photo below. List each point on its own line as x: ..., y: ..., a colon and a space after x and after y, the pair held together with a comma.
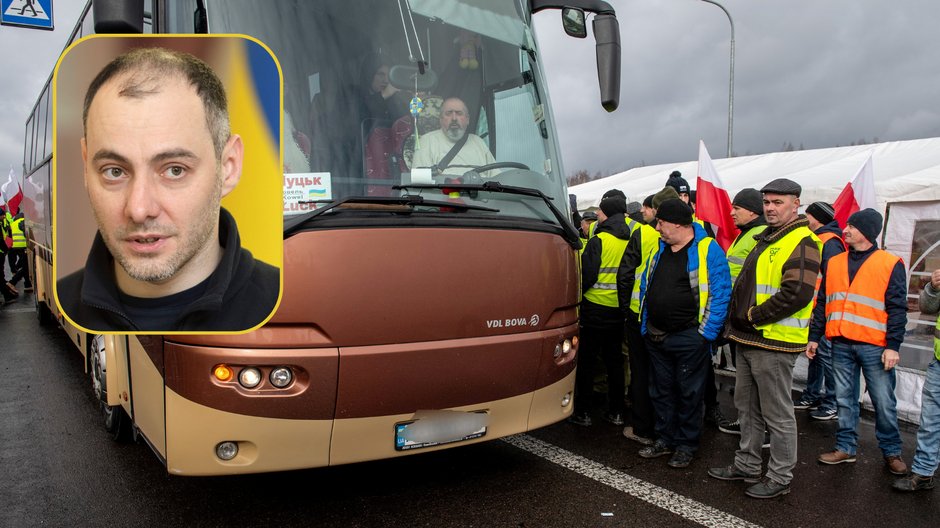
x: 422, y: 308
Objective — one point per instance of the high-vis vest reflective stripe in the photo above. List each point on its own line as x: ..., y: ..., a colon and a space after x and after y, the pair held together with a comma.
x: 16, y: 232
x: 699, y: 278
x: 740, y: 249
x: 826, y: 237
x: 649, y: 243
x: 856, y: 311
x: 793, y: 329
x: 604, y: 291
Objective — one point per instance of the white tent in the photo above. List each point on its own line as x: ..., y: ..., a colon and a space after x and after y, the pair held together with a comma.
x: 907, y: 188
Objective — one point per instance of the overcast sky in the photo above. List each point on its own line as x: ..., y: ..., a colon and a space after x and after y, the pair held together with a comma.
x: 820, y: 73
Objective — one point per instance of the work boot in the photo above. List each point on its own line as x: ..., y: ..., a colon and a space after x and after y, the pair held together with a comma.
x: 913, y: 482
x: 835, y: 457
x: 582, y: 419
x: 895, y: 465
x: 767, y: 489
x: 733, y: 473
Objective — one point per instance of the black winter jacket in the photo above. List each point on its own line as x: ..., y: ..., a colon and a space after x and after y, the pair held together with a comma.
x: 240, y: 293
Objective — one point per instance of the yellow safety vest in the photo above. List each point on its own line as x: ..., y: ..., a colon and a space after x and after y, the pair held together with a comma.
x: 699, y: 277
x: 16, y: 232
x: 604, y: 291
x: 793, y: 329
x: 649, y: 243
x: 741, y: 248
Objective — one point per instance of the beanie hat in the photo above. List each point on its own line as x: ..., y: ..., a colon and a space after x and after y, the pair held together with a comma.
x: 633, y: 208
x: 614, y: 205
x: 749, y: 199
x: 677, y: 182
x: 614, y: 193
x: 675, y: 211
x: 648, y: 201
x: 666, y: 194
x: 868, y: 222
x: 822, y: 212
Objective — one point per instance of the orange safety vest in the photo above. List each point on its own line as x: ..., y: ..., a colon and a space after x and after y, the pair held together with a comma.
x: 826, y: 237
x: 856, y: 311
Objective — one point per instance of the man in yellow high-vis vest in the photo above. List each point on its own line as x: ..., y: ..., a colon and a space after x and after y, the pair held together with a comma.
x: 769, y: 315
x: 927, y: 456
x: 684, y: 295
x: 864, y: 299
x: 601, y: 320
x: 17, y: 253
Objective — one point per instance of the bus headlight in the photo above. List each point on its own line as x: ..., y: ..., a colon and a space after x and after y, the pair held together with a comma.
x: 249, y: 377
x: 562, y: 348
x: 226, y: 450
x: 281, y: 377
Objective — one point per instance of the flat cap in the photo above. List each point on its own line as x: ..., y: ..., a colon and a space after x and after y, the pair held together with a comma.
x: 783, y: 186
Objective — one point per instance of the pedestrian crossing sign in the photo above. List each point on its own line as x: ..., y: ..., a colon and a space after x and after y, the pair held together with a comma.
x: 36, y: 14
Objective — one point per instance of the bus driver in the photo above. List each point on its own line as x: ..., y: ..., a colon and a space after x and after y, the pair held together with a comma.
x: 437, y: 148
x: 158, y: 156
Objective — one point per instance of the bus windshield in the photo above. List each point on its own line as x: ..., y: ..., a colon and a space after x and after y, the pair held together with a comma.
x: 406, y: 98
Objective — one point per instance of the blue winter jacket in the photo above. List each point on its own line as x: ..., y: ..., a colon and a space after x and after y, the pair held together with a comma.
x: 712, y: 319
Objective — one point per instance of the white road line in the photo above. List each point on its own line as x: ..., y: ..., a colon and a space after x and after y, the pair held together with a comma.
x: 668, y: 500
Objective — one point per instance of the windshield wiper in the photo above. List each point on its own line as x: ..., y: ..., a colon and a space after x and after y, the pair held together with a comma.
x: 570, y: 234
x: 291, y: 225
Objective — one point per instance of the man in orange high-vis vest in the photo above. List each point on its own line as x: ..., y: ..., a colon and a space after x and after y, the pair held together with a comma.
x: 865, y: 301
x: 819, y: 397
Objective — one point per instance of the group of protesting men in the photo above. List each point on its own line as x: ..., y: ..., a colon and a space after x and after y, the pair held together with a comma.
x: 657, y: 285
x: 13, y: 251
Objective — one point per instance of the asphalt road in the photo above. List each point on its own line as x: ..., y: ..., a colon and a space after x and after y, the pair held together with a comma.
x: 59, y: 468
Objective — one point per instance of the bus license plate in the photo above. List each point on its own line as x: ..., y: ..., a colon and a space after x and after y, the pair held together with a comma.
x: 431, y: 428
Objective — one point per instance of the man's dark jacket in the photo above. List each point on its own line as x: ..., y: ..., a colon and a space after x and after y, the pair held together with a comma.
x: 240, y: 293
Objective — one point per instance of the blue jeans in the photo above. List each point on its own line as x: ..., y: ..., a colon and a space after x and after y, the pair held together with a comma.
x: 847, y: 360
x: 927, y: 456
x: 819, y: 374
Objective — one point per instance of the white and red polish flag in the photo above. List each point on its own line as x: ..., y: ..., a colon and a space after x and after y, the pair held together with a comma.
x: 11, y: 194
x: 857, y: 194
x: 712, y: 203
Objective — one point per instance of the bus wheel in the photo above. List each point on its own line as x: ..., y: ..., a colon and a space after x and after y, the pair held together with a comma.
x: 116, y: 421
x: 43, y: 314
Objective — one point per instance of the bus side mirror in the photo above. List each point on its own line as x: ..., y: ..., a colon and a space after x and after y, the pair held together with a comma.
x: 119, y: 16
x: 572, y: 19
x: 607, y: 37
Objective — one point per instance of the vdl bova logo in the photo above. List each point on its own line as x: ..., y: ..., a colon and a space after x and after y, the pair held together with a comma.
x: 513, y: 322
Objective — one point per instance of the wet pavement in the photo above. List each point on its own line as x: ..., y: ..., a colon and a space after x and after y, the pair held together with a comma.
x: 59, y: 468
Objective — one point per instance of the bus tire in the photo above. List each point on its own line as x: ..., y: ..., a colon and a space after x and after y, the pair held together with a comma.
x: 116, y: 422
x: 43, y: 314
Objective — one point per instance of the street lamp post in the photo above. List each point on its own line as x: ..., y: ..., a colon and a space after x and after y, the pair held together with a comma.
x: 731, y: 83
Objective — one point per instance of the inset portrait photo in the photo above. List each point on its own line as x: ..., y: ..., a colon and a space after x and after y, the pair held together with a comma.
x: 167, y: 184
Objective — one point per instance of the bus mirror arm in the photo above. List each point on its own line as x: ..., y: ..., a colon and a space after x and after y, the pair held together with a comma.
x: 607, y: 38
